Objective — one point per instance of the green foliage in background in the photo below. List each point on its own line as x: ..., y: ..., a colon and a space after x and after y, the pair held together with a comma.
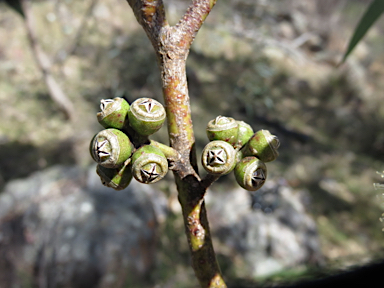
x: 370, y: 16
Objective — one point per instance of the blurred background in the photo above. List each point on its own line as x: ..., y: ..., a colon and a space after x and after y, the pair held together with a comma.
x: 269, y: 63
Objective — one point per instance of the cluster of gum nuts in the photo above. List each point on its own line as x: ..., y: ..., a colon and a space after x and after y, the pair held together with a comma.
x: 234, y: 146
x: 123, y: 150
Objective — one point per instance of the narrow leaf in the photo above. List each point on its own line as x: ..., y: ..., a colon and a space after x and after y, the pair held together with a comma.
x: 375, y: 9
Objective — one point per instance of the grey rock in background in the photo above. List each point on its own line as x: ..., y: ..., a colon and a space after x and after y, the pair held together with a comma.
x: 62, y: 228
x: 265, y: 231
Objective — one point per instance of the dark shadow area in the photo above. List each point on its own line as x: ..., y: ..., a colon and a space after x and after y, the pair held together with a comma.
x: 369, y: 275
x: 19, y: 160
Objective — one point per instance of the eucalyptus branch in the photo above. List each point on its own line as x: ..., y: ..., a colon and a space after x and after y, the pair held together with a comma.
x: 208, y: 180
x: 151, y: 15
x: 172, y: 44
x: 193, y: 18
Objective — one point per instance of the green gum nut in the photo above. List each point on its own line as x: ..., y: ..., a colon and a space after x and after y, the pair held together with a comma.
x: 146, y: 116
x: 110, y: 148
x: 245, y: 133
x: 116, y: 178
x: 219, y: 157
x: 263, y: 145
x: 149, y: 164
x: 250, y: 173
x: 113, y: 113
x: 224, y: 129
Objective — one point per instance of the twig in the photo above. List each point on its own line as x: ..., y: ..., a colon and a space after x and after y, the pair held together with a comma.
x: 172, y: 44
x: 208, y: 180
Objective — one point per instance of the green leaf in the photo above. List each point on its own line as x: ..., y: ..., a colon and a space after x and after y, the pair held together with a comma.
x: 371, y: 15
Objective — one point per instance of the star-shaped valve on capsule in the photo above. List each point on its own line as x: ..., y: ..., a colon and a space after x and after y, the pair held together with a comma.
x: 103, y: 150
x: 149, y: 173
x: 258, y: 177
x: 216, y: 157
x: 148, y: 104
x: 146, y: 116
x: 104, y: 103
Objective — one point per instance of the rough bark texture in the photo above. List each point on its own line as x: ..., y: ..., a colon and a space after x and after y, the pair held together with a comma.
x: 172, y: 44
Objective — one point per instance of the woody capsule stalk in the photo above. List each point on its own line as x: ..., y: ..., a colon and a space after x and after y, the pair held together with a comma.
x: 190, y: 190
